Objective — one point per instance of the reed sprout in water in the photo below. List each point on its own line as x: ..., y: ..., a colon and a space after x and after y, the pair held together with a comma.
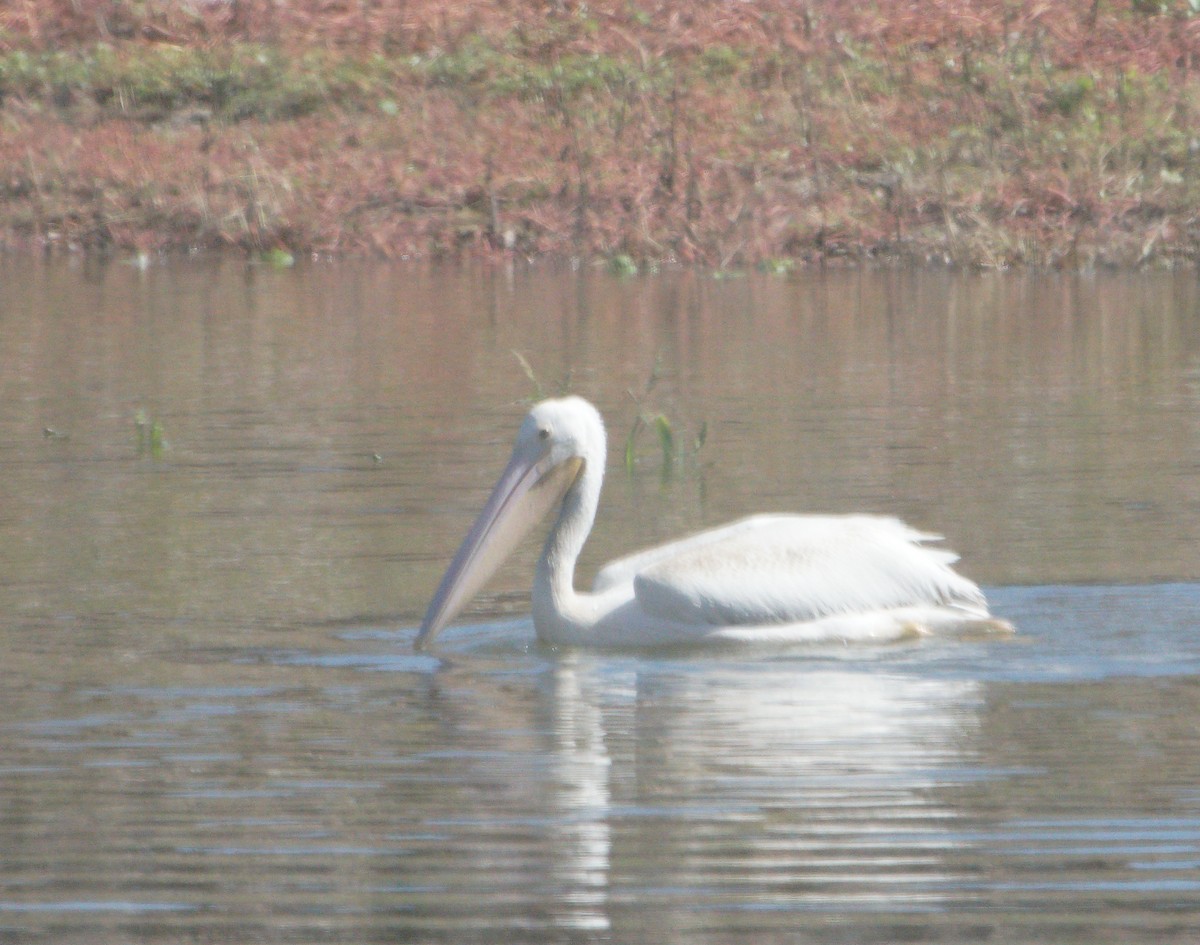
x: 151, y: 439
x: 671, y: 448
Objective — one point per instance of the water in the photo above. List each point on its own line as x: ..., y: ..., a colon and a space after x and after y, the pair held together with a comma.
x: 213, y: 728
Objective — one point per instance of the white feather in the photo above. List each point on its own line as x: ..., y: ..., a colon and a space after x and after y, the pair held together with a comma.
x: 773, y: 569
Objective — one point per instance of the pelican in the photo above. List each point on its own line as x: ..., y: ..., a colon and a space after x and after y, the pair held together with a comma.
x: 767, y: 579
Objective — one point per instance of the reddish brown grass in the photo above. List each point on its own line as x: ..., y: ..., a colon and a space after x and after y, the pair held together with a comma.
x: 978, y: 132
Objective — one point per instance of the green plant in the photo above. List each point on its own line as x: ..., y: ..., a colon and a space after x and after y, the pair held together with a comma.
x: 151, y: 440
x: 539, y: 389
x: 671, y: 450
x: 622, y: 264
x: 279, y: 258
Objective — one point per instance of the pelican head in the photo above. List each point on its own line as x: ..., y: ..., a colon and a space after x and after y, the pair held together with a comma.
x: 559, y: 454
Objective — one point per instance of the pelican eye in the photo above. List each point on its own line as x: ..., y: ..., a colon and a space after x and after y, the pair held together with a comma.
x: 543, y: 434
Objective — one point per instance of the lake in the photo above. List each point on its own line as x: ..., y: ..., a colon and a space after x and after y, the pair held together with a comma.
x: 229, y: 491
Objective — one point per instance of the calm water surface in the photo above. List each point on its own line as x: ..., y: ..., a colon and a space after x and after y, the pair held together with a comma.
x: 227, y: 494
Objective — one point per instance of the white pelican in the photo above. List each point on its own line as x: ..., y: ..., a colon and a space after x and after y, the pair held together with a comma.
x: 768, y: 578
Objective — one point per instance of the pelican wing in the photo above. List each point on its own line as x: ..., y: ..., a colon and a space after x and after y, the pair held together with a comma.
x: 787, y: 568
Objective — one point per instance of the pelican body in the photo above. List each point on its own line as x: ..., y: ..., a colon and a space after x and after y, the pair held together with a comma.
x: 767, y: 579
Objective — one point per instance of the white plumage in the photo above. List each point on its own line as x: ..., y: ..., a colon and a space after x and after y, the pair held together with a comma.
x: 767, y: 578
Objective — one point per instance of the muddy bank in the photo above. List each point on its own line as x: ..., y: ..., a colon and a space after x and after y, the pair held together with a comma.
x: 761, y: 133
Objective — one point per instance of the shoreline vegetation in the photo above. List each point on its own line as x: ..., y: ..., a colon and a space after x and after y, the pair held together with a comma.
x: 727, y: 134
